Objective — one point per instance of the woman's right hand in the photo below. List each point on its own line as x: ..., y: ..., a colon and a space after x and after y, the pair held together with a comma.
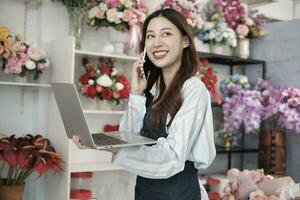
x: 138, y: 84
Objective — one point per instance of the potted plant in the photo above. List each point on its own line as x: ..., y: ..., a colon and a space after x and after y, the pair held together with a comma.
x: 19, y: 158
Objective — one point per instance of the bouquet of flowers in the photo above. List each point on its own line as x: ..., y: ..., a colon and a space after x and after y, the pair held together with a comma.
x: 119, y: 14
x: 231, y: 84
x: 215, y: 30
x: 255, y: 185
x: 103, y: 81
x: 22, y: 58
x: 281, y: 107
x: 246, y: 23
x: 210, y: 80
x: 190, y: 10
x: 24, y: 155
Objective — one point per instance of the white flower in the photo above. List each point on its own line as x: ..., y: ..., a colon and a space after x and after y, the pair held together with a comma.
x: 211, y: 35
x: 93, y: 12
x: 112, y: 15
x: 30, y: 65
x: 244, y: 79
x: 91, y: 82
x: 119, y: 86
x: 115, y: 72
x: 104, y: 81
x: 103, y: 6
x: 225, y: 34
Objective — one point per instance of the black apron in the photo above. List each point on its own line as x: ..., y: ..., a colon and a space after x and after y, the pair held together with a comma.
x: 182, y: 186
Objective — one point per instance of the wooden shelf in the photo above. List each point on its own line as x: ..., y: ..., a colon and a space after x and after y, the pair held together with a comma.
x: 94, y: 167
x: 93, y: 54
x: 25, y: 84
x: 104, y: 112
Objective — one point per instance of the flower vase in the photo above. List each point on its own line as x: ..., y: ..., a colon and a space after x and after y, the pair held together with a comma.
x: 118, y: 39
x: 104, y: 105
x: 216, y: 48
x: 76, y: 15
x: 243, y: 48
x: 8, y: 192
x: 272, y: 152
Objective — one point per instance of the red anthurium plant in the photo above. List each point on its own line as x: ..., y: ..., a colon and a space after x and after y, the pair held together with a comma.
x: 19, y: 157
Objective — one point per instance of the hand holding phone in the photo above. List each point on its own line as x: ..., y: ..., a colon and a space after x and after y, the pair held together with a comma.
x: 143, y: 75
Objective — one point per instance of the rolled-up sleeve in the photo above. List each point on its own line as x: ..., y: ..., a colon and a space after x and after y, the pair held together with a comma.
x: 168, y: 156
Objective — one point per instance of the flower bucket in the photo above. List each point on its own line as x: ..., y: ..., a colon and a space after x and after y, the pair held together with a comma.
x: 243, y: 48
x: 8, y: 192
x: 118, y: 39
x: 216, y: 49
x: 272, y: 152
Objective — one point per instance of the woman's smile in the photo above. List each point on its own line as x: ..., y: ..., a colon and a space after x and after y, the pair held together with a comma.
x: 159, y: 54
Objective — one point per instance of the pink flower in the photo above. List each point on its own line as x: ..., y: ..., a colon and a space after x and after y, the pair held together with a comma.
x: 242, y: 30
x: 233, y: 174
x: 40, y: 67
x: 100, y: 14
x: 13, y: 65
x: 36, y: 53
x: 127, y: 16
x: 113, y: 3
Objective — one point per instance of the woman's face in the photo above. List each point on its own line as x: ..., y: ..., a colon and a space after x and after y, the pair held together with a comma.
x: 164, y: 43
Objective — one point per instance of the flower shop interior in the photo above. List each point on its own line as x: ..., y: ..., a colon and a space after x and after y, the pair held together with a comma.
x: 248, y: 49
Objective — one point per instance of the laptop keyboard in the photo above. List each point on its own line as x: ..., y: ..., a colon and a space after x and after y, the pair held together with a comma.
x: 102, y: 139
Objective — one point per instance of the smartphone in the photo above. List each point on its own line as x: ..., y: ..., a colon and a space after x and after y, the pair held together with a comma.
x: 143, y: 75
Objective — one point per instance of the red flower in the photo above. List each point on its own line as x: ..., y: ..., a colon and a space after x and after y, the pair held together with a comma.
x: 84, y: 79
x: 91, y: 92
x: 122, y: 79
x: 210, y: 80
x: 106, y: 93
x: 105, y: 70
x: 124, y: 94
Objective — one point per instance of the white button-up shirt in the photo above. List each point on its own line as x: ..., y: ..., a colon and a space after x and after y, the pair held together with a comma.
x: 190, y: 136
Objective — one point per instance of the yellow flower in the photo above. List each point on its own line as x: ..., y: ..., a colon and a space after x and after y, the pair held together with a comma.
x: 4, y: 33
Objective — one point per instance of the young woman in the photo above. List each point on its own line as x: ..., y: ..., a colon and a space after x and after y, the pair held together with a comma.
x: 171, y: 106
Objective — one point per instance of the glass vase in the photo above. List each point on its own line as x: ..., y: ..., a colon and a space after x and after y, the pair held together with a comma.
x: 118, y: 39
x: 76, y: 16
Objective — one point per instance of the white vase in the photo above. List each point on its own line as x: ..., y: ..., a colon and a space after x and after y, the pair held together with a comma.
x: 243, y: 48
x: 104, y: 105
x: 118, y: 39
x: 216, y: 49
x: 200, y: 46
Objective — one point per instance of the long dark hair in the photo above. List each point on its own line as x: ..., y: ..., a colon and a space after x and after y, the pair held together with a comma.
x: 169, y: 100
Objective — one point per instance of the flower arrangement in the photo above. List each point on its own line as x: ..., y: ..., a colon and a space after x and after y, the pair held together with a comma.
x: 215, y: 30
x: 190, y: 10
x: 281, y: 107
x: 119, y: 14
x: 255, y: 185
x: 24, y: 155
x: 20, y: 57
x: 103, y: 81
x: 243, y: 109
x: 210, y: 80
x: 245, y: 22
x: 231, y: 84
x: 268, y: 107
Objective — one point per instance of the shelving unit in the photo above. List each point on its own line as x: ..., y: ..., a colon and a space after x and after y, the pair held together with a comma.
x: 232, y: 61
x: 67, y: 67
x: 24, y: 84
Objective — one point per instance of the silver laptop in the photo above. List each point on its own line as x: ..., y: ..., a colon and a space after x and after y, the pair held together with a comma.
x: 74, y: 121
